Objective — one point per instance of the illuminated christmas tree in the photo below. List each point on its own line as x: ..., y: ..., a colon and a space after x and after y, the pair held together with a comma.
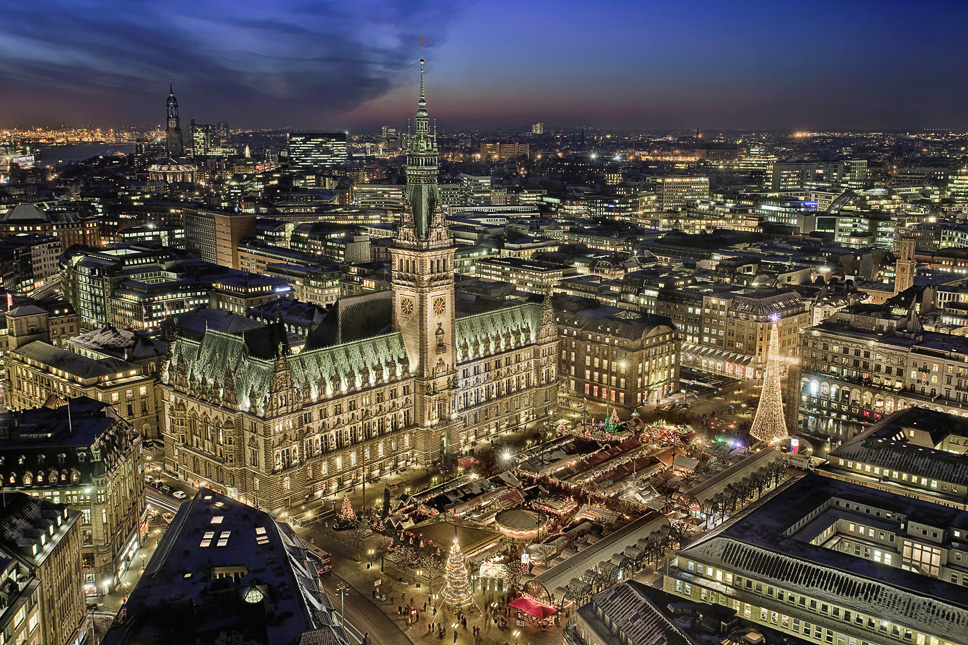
x: 347, y: 516
x: 769, y: 424
x: 457, y: 583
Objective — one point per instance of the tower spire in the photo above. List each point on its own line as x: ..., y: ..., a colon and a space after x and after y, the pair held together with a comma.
x: 421, y: 71
x: 422, y: 192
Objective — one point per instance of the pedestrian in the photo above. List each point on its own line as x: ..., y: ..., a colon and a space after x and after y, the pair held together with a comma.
x: 455, y: 635
x: 425, y: 606
x: 374, y: 593
x: 399, y: 610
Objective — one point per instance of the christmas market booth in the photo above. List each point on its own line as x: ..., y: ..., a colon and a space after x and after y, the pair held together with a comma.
x: 533, y: 607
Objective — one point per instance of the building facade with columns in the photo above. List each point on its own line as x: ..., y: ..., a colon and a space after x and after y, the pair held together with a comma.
x: 865, y: 363
x: 389, y: 379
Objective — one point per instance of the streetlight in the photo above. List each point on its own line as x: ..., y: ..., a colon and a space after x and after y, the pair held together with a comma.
x: 341, y: 589
x: 370, y: 563
x: 517, y: 632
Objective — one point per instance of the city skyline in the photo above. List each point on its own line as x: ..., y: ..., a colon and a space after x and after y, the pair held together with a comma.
x: 620, y: 65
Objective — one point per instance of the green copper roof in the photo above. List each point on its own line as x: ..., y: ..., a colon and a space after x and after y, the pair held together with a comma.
x: 221, y: 359
x: 518, y: 324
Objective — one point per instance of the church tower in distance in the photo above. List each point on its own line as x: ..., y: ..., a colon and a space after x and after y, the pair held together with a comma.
x: 173, y: 133
x: 423, y: 293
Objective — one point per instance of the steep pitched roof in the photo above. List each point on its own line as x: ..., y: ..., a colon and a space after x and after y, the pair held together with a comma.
x: 492, y: 326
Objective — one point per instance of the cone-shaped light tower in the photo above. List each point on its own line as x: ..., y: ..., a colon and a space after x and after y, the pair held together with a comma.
x: 769, y: 424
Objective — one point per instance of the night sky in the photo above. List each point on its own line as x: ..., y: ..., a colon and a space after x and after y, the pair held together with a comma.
x: 353, y: 64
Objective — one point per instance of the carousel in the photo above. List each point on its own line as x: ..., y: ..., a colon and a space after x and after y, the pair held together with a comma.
x: 521, y: 524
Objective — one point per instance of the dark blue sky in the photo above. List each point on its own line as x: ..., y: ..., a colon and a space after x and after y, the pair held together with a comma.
x: 318, y: 64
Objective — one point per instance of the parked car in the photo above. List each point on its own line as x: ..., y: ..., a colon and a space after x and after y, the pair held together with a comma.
x: 164, y: 488
x: 168, y: 517
x: 179, y: 494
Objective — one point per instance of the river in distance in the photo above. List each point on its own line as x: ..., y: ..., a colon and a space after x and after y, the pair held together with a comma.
x: 53, y: 155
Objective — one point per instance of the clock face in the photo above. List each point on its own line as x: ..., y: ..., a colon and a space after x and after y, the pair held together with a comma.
x: 406, y: 306
x: 172, y: 123
x: 439, y: 306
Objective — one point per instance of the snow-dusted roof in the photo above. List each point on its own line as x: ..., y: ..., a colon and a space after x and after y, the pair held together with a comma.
x: 75, y: 364
x: 764, y: 546
x: 885, y: 444
x: 112, y: 341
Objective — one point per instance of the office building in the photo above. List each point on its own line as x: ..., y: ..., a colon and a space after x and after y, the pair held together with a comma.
x: 90, y: 459
x: 673, y: 193
x: 726, y: 332
x: 432, y: 373
x: 385, y: 196
x: 792, y: 175
x: 68, y: 226
x: 315, y: 285
x: 40, y: 560
x: 316, y: 150
x: 154, y: 235
x: 538, y: 128
x: 528, y: 276
x: 214, y: 236
x: 474, y: 190
x: 864, y: 363
x: 225, y: 572
x: 28, y: 262
x: 833, y: 562
x: 915, y: 452
x: 498, y: 151
x: 615, y: 356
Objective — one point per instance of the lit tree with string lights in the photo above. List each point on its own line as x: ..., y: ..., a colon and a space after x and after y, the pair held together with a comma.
x: 457, y: 582
x: 347, y: 516
x: 769, y: 424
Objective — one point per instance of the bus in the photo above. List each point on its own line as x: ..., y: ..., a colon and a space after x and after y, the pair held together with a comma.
x: 321, y: 560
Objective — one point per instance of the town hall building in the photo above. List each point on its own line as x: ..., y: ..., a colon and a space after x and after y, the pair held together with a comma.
x: 387, y: 380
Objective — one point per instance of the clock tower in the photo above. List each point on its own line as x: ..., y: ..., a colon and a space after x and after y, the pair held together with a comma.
x: 423, y: 293
x: 173, y: 133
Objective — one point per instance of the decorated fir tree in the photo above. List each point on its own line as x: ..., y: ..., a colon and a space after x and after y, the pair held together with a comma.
x: 457, y: 583
x: 347, y: 517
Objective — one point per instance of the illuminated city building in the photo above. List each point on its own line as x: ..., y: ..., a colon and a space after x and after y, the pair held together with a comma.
x: 914, y: 452
x: 498, y: 151
x: 68, y: 226
x: 174, y: 146
x: 389, y: 379
x: 863, y: 364
x: 315, y: 150
x: 678, y: 192
x: 227, y: 572
x: 529, y: 276
x: 40, y: 560
x: 214, y: 236
x: 615, y: 356
x: 90, y: 459
x: 851, y: 173
x: 726, y: 331
x: 829, y: 561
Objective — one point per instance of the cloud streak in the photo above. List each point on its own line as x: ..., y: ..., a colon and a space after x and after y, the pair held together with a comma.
x: 247, y: 62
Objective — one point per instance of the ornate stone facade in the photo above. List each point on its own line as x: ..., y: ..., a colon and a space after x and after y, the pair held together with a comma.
x: 277, y: 429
